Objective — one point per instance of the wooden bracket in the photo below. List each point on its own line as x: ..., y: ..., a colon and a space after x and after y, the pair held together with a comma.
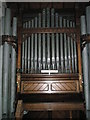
x: 85, y: 39
x: 10, y: 40
x: 18, y: 81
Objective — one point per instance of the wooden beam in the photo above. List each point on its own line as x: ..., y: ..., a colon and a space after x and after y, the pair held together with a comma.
x: 53, y: 106
x: 48, y: 30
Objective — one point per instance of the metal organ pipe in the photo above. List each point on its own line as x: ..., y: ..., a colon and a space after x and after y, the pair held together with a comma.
x: 72, y: 50
x: 53, y: 50
x: 26, y: 44
x: 87, y: 56
x: 39, y: 43
x: 48, y: 17
x: 52, y: 17
x: 48, y: 40
x: 6, y: 63
x: 88, y: 19
x: 85, y: 65
x: 13, y: 68
x: 65, y: 47
x: 8, y: 24
x: 48, y: 51
x: 43, y: 42
x: 75, y: 51
x: 2, y: 32
x: 44, y: 51
x: 2, y: 23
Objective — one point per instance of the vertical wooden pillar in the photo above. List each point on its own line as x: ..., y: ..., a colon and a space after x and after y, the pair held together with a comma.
x: 19, y: 60
x: 78, y: 45
x: 19, y: 110
x: 70, y: 114
x: 19, y: 53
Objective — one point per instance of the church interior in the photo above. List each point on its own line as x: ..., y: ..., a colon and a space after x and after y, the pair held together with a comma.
x: 45, y: 61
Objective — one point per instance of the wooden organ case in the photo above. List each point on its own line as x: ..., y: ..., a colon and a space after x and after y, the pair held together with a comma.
x: 49, y: 74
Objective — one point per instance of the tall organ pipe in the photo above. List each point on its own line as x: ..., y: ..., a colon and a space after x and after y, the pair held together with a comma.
x: 29, y: 49
x: 43, y: 18
x: 88, y: 65
x: 26, y: 44
x: 36, y: 53
x: 6, y: 63
x: 43, y: 42
x: 1, y: 77
x: 13, y: 68
x: 57, y: 43
x: 61, y: 47
x: 48, y: 51
x: 65, y: 48
x: 39, y: 51
x: 85, y: 65
x: 39, y: 43
x: 8, y: 22
x: 44, y: 52
x: 88, y: 19
x: 48, y: 39
x: 72, y: 50
x: 52, y: 17
x: 32, y: 48
x: 48, y: 17
x: 2, y: 23
x: 36, y: 44
x: 32, y: 51
x: 61, y: 52
x: 53, y: 51
x: 13, y: 77
x: 23, y: 54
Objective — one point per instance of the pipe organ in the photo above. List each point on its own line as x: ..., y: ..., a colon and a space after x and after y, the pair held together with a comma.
x: 49, y: 51
x: 49, y: 62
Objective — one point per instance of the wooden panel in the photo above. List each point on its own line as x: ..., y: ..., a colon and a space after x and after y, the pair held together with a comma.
x: 53, y: 106
x: 64, y: 86
x: 49, y: 86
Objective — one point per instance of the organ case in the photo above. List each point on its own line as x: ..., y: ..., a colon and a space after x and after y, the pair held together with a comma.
x: 49, y: 55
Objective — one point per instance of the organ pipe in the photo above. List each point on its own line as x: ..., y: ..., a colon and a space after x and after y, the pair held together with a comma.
x: 62, y: 52
x: 1, y: 78
x: 5, y: 77
x: 53, y: 50
x: 13, y: 68
x: 39, y: 52
x: 8, y: 22
x: 6, y: 63
x: 13, y: 77
x: 29, y: 47
x: 48, y: 17
x: 48, y: 50
x: 52, y: 17
x: 14, y: 26
x: 85, y: 66
x: 65, y: 47
x: 88, y: 19
x: 36, y: 52
x: 44, y: 51
x: 72, y: 50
